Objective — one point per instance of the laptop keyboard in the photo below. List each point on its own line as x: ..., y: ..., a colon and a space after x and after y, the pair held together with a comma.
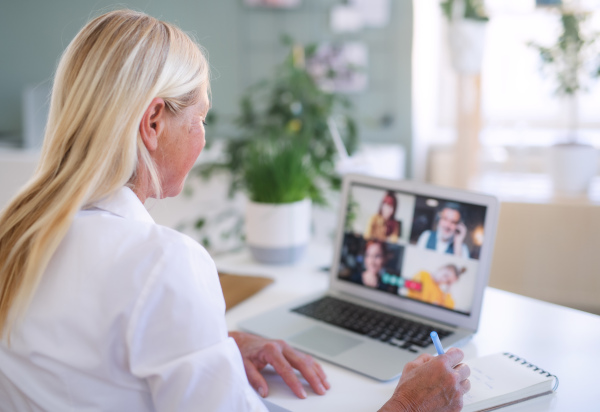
x: 395, y: 330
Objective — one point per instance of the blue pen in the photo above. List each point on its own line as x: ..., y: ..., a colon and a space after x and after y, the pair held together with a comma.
x: 436, y: 342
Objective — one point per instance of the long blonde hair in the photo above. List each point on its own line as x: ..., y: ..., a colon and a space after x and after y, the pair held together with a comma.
x: 104, y: 82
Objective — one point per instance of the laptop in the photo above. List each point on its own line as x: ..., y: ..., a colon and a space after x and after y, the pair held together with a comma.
x: 408, y: 258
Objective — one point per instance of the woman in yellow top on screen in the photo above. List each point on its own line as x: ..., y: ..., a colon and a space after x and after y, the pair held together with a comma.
x: 382, y: 226
x: 435, y: 286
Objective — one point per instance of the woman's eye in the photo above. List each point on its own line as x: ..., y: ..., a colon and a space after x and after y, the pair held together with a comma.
x: 204, y: 122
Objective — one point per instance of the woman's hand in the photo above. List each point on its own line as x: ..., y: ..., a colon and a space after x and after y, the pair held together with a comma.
x: 258, y: 353
x: 431, y: 384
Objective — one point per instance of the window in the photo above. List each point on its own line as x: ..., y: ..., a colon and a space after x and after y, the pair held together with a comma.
x: 518, y: 100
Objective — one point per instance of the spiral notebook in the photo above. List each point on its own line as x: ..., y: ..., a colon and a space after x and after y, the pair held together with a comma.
x: 503, y: 379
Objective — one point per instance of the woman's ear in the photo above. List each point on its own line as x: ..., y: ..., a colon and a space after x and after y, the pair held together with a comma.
x: 153, y: 123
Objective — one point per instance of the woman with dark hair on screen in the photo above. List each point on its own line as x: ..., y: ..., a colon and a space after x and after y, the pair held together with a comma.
x: 383, y: 225
x: 371, y: 275
x: 101, y: 309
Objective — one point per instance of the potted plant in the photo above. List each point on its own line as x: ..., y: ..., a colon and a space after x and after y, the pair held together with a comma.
x: 283, y: 157
x: 467, y: 25
x: 570, y: 61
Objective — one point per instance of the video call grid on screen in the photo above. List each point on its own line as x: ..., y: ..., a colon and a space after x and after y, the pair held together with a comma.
x: 421, y: 248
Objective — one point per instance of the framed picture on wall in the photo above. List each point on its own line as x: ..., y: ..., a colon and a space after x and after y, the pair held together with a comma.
x: 340, y: 67
x: 278, y: 4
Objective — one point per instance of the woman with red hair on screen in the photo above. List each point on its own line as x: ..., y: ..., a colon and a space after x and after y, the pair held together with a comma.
x: 383, y: 226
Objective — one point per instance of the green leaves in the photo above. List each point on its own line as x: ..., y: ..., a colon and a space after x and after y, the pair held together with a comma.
x: 200, y: 223
x: 284, y: 151
x: 277, y: 170
x: 569, y: 58
x: 474, y: 10
x: 447, y: 8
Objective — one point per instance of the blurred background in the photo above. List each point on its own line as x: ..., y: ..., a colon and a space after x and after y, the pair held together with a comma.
x: 496, y: 96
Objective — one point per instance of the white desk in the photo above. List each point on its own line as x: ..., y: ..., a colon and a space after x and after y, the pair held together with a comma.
x: 563, y: 341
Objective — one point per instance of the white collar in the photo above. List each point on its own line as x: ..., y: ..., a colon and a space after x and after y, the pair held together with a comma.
x: 126, y: 204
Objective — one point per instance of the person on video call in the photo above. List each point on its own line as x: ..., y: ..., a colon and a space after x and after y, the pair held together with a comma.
x: 374, y: 262
x: 101, y: 309
x: 383, y: 225
x: 435, y: 287
x: 449, y: 236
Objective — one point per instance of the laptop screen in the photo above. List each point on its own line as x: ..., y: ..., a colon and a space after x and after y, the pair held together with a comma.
x: 421, y: 248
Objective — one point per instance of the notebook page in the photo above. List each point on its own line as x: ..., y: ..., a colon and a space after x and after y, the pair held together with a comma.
x: 498, y: 375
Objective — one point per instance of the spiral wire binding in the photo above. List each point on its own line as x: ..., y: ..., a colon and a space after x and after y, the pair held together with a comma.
x: 536, y: 369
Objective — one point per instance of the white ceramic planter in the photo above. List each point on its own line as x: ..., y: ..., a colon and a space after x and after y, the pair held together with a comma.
x: 467, y: 43
x: 572, y: 167
x: 278, y: 233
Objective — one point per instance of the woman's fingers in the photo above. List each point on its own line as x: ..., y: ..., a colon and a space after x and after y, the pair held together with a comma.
x: 434, y: 384
x: 285, y: 359
x: 466, y: 386
x: 274, y: 356
x: 310, y: 370
x: 257, y: 352
x: 463, y: 371
x: 425, y: 357
x: 322, y: 375
x: 257, y: 381
x: 453, y: 357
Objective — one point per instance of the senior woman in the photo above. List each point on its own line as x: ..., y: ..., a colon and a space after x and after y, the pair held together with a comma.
x: 100, y: 308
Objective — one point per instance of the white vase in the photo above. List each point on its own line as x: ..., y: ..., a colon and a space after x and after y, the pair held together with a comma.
x: 467, y: 43
x: 572, y: 167
x: 278, y: 233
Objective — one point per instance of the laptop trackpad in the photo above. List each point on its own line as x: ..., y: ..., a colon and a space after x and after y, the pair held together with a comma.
x: 325, y: 341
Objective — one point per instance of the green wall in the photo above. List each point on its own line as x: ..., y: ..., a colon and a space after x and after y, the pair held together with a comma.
x: 243, y: 45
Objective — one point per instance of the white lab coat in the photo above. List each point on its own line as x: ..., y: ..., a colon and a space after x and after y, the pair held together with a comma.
x: 129, y: 316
